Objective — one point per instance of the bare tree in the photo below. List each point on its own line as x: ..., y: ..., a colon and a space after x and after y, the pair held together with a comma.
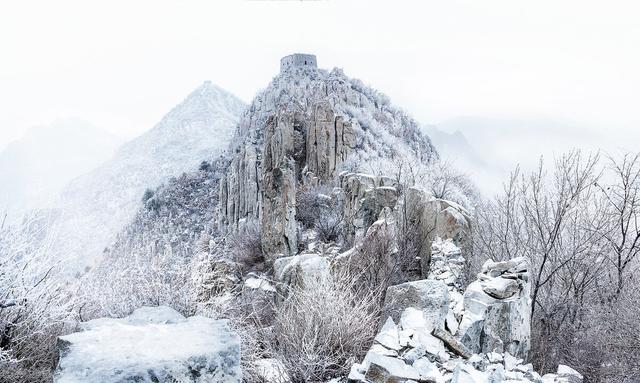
x: 622, y: 196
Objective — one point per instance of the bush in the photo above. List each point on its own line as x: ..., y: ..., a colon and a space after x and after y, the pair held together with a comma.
x: 36, y: 305
x: 322, y: 329
x: 316, y: 209
x: 245, y: 247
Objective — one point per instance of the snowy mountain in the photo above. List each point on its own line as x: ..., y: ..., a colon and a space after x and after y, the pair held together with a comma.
x: 35, y: 168
x: 97, y: 205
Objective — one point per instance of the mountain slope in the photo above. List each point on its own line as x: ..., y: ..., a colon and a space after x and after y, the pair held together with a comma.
x: 96, y: 206
x: 35, y: 168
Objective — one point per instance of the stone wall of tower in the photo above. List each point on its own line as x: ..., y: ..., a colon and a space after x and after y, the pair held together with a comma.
x: 298, y: 60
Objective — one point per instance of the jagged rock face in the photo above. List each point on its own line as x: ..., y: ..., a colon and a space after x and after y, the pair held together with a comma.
x: 429, y: 296
x: 430, y: 218
x: 497, y: 311
x: 364, y: 197
x: 307, y: 126
x: 278, y: 220
x: 154, y: 344
x: 329, y: 141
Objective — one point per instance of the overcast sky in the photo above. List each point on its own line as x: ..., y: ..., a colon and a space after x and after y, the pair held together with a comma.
x: 123, y: 64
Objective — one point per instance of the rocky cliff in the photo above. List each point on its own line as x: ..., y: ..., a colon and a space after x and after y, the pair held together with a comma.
x: 307, y: 126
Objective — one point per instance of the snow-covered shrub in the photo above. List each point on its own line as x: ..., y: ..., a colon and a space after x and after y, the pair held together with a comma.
x: 245, y: 247
x: 35, y: 304
x: 317, y: 209
x: 146, y: 278
x: 321, y: 329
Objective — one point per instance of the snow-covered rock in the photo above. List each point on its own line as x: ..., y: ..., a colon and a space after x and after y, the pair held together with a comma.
x: 429, y: 297
x: 384, y: 369
x: 497, y: 309
x: 154, y: 344
x: 299, y: 271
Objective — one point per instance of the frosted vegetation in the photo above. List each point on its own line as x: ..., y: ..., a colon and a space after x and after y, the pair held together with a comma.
x: 576, y: 218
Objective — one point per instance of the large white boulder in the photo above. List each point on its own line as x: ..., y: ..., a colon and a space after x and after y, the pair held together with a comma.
x: 154, y: 344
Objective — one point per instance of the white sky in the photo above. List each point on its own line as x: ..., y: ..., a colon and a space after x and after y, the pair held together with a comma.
x: 123, y: 64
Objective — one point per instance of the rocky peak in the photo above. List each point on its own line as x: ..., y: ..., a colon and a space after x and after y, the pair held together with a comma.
x: 303, y: 129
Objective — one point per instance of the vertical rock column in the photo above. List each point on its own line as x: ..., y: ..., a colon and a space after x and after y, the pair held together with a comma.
x: 330, y: 139
x: 278, y: 223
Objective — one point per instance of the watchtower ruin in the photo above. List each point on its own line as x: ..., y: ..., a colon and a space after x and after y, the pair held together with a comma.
x: 298, y: 60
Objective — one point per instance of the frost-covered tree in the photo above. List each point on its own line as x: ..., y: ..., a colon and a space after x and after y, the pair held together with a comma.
x: 36, y: 305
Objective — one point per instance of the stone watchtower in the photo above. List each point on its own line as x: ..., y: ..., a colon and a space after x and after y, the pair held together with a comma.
x: 298, y: 60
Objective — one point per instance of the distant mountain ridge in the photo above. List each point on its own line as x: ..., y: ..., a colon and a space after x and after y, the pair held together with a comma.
x: 35, y: 168
x: 488, y: 149
x: 99, y: 204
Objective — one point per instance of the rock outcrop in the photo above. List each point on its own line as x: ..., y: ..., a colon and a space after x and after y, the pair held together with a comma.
x: 415, y: 344
x: 278, y: 220
x: 434, y: 333
x: 308, y: 125
x: 364, y: 196
x: 428, y: 218
x: 154, y: 344
x: 497, y: 309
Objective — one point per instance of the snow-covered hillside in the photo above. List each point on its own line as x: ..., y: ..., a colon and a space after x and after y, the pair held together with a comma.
x: 35, y: 168
x: 97, y: 205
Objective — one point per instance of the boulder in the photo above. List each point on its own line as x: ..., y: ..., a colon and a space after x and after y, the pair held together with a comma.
x: 154, y: 344
x: 430, y: 297
x: 501, y: 288
x: 568, y: 375
x: 385, y: 369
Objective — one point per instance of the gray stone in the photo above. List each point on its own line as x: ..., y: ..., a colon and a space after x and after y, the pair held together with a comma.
x: 428, y: 371
x: 465, y: 373
x: 501, y: 288
x: 154, y: 344
x: 384, y: 369
x: 490, y: 324
x: 429, y: 296
x: 300, y: 271
x: 388, y: 335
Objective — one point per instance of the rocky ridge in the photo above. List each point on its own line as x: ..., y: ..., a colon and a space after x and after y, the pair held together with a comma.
x: 303, y: 129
